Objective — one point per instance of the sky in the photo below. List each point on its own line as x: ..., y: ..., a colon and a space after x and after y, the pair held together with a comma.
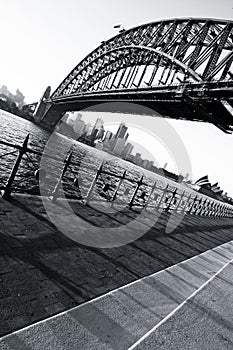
x: 43, y: 40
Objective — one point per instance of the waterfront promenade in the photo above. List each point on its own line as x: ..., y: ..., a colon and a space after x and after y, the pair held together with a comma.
x: 44, y: 273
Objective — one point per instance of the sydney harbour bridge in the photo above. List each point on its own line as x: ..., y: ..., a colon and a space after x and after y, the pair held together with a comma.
x: 179, y: 68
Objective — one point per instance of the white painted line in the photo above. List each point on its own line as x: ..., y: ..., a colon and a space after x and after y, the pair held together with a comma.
x: 178, y: 307
x: 222, y: 246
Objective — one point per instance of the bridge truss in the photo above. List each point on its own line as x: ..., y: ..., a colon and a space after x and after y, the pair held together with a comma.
x: 181, y: 68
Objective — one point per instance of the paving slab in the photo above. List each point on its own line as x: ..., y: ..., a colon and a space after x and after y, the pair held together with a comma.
x: 130, y: 316
x: 43, y: 272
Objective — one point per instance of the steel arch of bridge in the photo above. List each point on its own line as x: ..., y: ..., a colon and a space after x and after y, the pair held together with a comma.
x: 158, y: 53
x: 179, y: 68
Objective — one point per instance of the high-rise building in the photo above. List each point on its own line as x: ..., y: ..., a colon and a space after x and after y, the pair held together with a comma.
x: 87, y: 128
x: 79, y: 127
x: 98, y: 124
x: 98, y: 130
x: 121, y: 131
x: 145, y: 163
x: 77, y: 119
x: 119, y: 146
x: 121, y: 134
x: 79, y: 124
x: 108, y: 135
x: 73, y: 118
x: 93, y: 135
x: 127, y: 150
x: 138, y: 159
x: 150, y: 165
x: 100, y: 134
x: 65, y: 118
x: 107, y: 142
x: 70, y: 121
x: 77, y: 116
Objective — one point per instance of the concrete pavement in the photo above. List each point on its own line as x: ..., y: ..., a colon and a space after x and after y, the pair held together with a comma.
x: 204, y: 322
x: 150, y: 313
x: 42, y: 272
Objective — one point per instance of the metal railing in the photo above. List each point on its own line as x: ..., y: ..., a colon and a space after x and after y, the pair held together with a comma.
x: 106, y: 185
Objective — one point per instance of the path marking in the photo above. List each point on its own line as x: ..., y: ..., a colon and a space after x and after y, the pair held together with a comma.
x: 147, y: 296
x: 178, y: 307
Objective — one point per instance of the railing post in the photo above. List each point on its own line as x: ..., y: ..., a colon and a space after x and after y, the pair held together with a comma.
x: 93, y: 184
x: 150, y: 195
x: 119, y: 185
x: 187, y: 203
x: 191, y: 208
x: 199, y: 202
x: 181, y: 198
x: 169, y: 204
x: 56, y: 189
x: 135, y: 192
x: 210, y: 208
x: 205, y: 207
x: 203, y: 204
x: 161, y: 198
x: 8, y: 188
x: 215, y: 209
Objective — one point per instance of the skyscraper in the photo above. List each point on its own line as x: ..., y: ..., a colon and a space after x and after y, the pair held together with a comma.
x: 138, y: 159
x: 79, y: 124
x: 127, y: 150
x: 98, y: 124
x: 108, y: 135
x: 98, y: 129
x: 121, y: 134
x: 77, y: 118
x: 119, y: 146
x: 79, y: 127
x: 121, y: 131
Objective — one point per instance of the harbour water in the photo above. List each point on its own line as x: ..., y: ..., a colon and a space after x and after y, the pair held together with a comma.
x: 132, y: 184
x: 85, y: 161
x: 80, y: 174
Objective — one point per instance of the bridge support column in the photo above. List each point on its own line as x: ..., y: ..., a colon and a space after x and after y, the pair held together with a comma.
x: 46, y: 114
x: 42, y: 106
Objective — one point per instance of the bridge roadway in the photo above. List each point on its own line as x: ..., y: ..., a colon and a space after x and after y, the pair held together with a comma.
x: 194, y: 102
x: 171, y: 291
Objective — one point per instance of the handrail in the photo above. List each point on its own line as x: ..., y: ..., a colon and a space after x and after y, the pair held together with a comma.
x: 171, y: 196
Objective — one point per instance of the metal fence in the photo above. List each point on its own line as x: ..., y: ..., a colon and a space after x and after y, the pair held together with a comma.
x: 106, y: 185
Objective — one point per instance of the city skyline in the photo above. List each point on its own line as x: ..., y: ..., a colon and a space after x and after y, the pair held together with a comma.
x: 108, y: 141
x: 198, y: 141
x: 114, y: 141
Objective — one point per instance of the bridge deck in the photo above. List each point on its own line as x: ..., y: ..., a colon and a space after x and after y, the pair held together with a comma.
x: 204, y: 102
